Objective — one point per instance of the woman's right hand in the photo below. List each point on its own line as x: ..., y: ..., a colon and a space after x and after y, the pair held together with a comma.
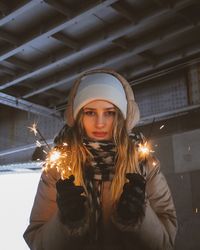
x: 70, y: 200
x: 132, y: 201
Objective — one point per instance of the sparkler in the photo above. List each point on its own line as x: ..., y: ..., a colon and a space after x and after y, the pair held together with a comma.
x: 58, y: 157
x: 33, y: 128
x: 144, y: 149
x: 36, y: 131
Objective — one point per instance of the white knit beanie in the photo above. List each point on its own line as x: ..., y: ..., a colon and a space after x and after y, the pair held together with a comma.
x: 100, y: 86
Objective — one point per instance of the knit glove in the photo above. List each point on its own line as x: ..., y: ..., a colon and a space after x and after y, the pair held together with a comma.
x: 70, y: 200
x: 131, y: 204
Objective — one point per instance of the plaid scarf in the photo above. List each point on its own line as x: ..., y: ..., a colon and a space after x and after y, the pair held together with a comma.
x: 101, y: 166
x: 99, y: 169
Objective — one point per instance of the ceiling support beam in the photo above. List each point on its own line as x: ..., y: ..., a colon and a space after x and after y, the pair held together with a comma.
x: 122, y: 43
x: 23, y: 148
x: 19, y: 11
x: 166, y: 115
x: 148, y: 56
x: 111, y: 59
x: 7, y: 70
x: 125, y: 11
x: 60, y: 7
x: 57, y: 28
x: 163, y: 62
x: 9, y: 38
x: 167, y: 3
x: 95, y: 43
x: 66, y: 41
x: 18, y: 63
x: 26, y: 106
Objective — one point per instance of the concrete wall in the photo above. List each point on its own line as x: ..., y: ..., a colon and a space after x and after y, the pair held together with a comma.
x: 179, y: 155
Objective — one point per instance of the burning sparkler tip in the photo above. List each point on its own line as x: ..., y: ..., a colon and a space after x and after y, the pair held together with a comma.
x: 144, y: 149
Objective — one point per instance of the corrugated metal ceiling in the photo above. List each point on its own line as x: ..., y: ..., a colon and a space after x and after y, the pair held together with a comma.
x: 46, y: 44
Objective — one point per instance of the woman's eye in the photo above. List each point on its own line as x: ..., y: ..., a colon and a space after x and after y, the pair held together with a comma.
x: 110, y: 113
x: 89, y: 113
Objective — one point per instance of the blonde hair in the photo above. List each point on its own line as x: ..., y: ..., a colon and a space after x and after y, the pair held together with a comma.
x: 126, y: 161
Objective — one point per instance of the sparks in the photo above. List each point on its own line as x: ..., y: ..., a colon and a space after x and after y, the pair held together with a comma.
x: 161, y: 127
x: 144, y: 149
x: 34, y: 128
x: 37, y: 133
x: 38, y: 144
x: 55, y: 156
x: 59, y: 158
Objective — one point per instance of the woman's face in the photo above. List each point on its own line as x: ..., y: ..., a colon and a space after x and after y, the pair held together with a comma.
x: 98, y: 117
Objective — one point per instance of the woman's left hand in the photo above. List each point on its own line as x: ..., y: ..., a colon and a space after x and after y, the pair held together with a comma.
x: 131, y: 204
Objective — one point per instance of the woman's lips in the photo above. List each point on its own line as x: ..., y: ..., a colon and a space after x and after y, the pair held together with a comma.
x: 100, y: 134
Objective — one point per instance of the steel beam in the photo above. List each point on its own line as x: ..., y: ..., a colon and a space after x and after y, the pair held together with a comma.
x: 67, y: 41
x: 95, y: 43
x: 57, y: 28
x: 7, y: 70
x: 27, y: 106
x: 125, y: 11
x: 167, y: 115
x: 19, y: 63
x: 110, y: 59
x: 9, y: 38
x: 164, y: 61
x: 22, y: 148
x: 60, y: 7
x: 19, y: 11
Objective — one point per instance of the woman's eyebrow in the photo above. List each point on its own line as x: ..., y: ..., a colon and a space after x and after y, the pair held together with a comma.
x: 111, y: 108
x: 89, y: 108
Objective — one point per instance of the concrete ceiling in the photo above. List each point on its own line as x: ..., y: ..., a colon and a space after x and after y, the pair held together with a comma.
x: 46, y: 44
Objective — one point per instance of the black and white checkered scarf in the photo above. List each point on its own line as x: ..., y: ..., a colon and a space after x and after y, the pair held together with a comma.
x: 100, y: 168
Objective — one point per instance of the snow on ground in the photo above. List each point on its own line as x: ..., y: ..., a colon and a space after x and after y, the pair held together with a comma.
x: 17, y: 192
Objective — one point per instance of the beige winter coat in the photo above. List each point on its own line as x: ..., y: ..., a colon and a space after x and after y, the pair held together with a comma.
x: 156, y: 232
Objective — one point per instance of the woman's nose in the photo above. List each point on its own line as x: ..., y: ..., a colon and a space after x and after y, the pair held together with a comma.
x: 100, y: 121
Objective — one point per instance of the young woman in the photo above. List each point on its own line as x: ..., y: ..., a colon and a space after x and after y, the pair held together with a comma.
x: 111, y: 196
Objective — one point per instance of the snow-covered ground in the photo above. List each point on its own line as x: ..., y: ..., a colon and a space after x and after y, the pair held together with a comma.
x: 17, y: 192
